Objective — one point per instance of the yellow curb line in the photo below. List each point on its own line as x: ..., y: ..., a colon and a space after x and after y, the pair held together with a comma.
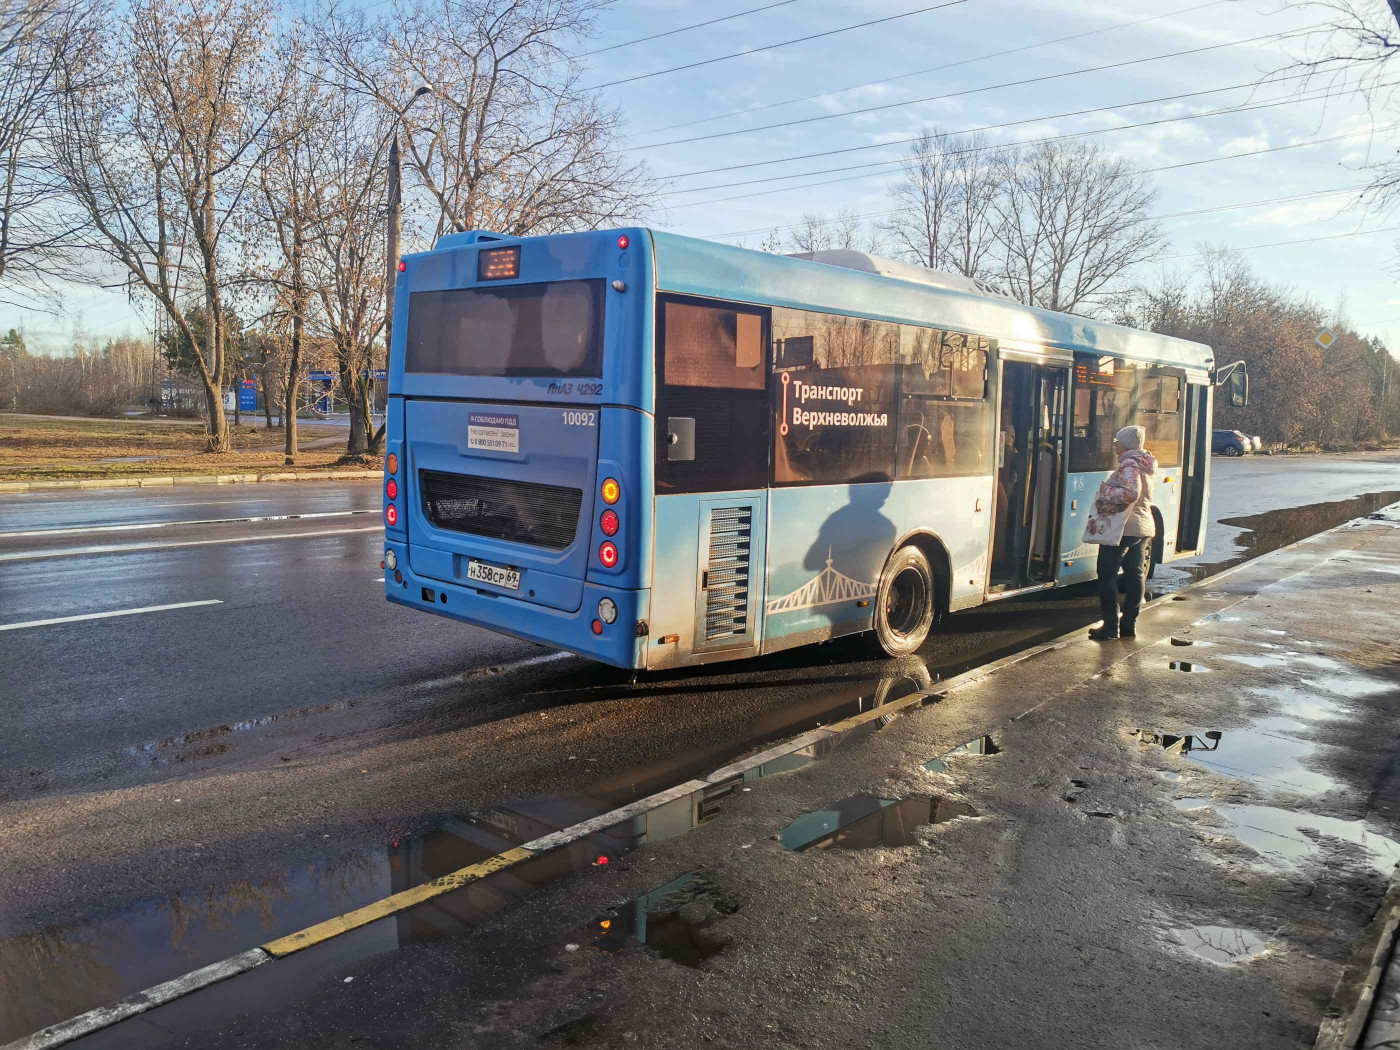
x: 334, y: 927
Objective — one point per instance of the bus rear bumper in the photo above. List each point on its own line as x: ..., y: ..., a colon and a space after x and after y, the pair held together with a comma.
x: 618, y: 644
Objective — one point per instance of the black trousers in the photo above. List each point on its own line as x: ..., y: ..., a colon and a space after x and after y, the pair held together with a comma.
x: 1129, y: 554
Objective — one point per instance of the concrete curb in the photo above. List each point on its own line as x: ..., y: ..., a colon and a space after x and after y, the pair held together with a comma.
x: 17, y: 487
x: 665, y: 814
x: 1361, y: 1012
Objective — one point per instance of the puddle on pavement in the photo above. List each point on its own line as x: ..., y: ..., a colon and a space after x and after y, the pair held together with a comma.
x: 1187, y: 665
x: 866, y: 821
x: 62, y: 971
x: 981, y: 745
x: 1278, y: 528
x: 1283, y: 659
x: 672, y: 920
x: 1281, y: 836
x: 1222, y: 945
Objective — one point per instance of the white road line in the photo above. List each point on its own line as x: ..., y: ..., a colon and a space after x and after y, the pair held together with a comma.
x: 136, y: 526
x: 380, y: 580
x: 106, y: 615
x: 74, y: 552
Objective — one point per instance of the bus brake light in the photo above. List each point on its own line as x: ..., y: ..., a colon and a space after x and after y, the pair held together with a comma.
x: 391, y: 514
x: 607, y: 553
x: 623, y: 241
x: 392, y: 489
x: 609, y: 523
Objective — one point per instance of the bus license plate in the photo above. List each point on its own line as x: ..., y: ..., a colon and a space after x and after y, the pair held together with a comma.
x: 508, y: 578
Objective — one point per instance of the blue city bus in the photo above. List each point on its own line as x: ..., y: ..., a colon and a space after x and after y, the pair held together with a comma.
x: 656, y: 451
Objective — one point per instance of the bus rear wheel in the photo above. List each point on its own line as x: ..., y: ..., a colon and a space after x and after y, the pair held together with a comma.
x: 904, y: 603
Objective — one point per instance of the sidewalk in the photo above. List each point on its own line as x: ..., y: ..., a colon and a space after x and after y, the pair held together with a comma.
x: 1177, y: 842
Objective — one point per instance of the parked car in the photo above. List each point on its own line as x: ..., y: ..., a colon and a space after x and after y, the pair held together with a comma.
x: 1230, y: 443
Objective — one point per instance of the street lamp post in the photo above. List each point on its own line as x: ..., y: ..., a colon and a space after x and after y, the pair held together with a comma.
x: 395, y: 219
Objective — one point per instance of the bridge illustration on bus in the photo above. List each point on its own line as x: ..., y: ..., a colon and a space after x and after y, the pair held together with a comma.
x: 656, y: 451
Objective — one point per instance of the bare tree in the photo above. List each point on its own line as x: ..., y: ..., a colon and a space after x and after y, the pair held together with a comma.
x: 161, y: 126
x: 1358, y: 47
x: 1071, y: 221
x: 290, y: 206
x: 508, y: 140
x: 347, y: 260
x: 36, y: 228
x: 943, y: 214
x: 817, y: 233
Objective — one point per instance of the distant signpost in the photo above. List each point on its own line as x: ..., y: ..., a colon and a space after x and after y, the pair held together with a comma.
x: 1325, y: 338
x: 248, y: 396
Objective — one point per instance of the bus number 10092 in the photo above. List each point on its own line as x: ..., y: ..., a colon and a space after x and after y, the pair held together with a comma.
x: 580, y: 419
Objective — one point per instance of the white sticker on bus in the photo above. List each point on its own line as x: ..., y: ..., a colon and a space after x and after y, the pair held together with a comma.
x: 493, y: 431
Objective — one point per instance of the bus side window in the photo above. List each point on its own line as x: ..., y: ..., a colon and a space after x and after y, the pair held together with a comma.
x: 944, y: 413
x: 711, y: 380
x: 834, y: 406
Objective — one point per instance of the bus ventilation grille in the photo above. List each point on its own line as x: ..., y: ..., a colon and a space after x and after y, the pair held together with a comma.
x: 518, y: 511
x: 727, y: 591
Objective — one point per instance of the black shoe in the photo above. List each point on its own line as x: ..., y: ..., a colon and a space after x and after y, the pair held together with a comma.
x: 1103, y: 634
x: 1127, y: 629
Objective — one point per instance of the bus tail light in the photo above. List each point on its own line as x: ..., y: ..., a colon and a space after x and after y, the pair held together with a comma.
x: 392, y: 489
x: 611, y: 491
x: 623, y: 241
x: 607, y: 553
x: 391, y: 514
x: 609, y: 523
x: 597, y: 626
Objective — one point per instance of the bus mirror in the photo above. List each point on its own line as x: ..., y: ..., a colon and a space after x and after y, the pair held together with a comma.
x: 680, y: 439
x: 1238, y: 388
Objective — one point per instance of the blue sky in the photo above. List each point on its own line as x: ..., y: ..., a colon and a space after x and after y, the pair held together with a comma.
x: 701, y: 204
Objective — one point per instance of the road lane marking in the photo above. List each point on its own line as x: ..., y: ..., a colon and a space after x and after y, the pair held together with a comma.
x: 136, y: 526
x: 478, y: 672
x: 107, y: 615
x: 137, y: 547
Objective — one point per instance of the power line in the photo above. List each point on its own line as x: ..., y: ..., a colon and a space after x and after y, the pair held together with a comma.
x: 982, y: 127
x: 972, y: 91
x: 771, y: 47
x: 686, y: 29
x: 933, y: 69
x: 1167, y: 167
x: 1225, y: 111
x: 1283, y: 244
x: 1288, y: 199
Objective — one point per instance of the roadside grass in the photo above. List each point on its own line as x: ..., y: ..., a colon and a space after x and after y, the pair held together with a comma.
x: 46, y: 448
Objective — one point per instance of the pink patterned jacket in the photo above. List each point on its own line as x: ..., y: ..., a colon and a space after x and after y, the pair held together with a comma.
x: 1123, y: 504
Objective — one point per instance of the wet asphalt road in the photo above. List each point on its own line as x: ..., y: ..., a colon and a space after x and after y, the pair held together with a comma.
x: 214, y: 753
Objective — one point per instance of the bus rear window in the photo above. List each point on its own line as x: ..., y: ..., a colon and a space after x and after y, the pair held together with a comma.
x: 553, y: 329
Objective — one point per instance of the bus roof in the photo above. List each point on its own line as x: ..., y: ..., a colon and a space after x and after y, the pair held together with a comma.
x: 862, y: 285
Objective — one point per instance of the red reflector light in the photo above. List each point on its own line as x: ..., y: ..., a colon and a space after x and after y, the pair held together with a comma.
x: 392, y: 489
x: 607, y: 554
x: 623, y: 242
x: 597, y: 626
x: 402, y: 266
x: 609, y: 522
x: 392, y: 464
x: 391, y: 514
x: 602, y: 861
